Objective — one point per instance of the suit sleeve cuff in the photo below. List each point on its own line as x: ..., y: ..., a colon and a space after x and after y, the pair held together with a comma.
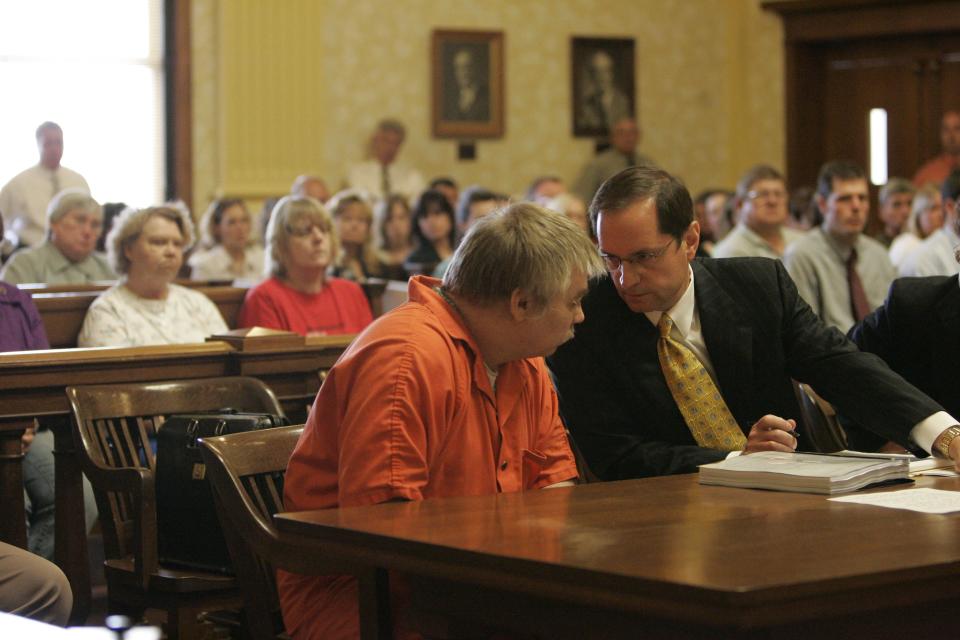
x: 925, y: 432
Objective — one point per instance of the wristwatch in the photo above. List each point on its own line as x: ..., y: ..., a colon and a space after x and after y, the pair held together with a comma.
x: 941, y: 446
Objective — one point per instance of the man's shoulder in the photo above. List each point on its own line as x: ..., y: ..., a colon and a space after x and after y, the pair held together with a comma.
x: 913, y: 291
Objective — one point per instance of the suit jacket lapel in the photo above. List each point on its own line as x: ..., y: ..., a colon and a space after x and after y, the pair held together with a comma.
x: 729, y: 339
x: 948, y: 312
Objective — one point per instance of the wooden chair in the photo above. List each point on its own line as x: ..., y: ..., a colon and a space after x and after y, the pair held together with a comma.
x: 113, y: 425
x: 821, y: 426
x: 247, y: 471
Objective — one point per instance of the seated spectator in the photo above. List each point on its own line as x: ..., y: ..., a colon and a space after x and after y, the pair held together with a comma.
x: 67, y: 255
x: 895, y: 197
x: 393, y: 222
x: 310, y: 187
x: 708, y: 209
x: 21, y: 329
x: 435, y: 231
x: 926, y: 216
x: 146, y: 247
x: 761, y: 203
x: 33, y: 587
x: 935, y: 255
x: 804, y: 213
x: 545, y: 188
x: 353, y: 219
x: 573, y: 207
x: 475, y: 203
x: 298, y: 296
x: 448, y: 187
x: 228, y: 249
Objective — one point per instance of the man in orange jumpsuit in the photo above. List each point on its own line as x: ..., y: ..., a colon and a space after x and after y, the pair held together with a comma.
x: 447, y: 395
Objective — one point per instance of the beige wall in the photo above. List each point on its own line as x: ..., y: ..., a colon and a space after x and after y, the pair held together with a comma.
x: 294, y: 86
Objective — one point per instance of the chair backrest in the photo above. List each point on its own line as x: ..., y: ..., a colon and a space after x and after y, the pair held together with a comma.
x: 246, y: 471
x: 114, y: 426
x: 821, y: 426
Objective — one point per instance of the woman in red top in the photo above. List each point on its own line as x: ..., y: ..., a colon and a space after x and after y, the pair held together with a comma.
x: 299, y: 296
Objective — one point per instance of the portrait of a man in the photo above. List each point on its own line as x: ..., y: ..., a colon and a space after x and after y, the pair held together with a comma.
x: 602, y: 84
x: 466, y: 67
x: 467, y: 72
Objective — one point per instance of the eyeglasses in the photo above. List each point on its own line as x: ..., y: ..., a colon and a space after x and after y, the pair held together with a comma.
x: 638, y: 259
x: 767, y: 194
x: 304, y: 230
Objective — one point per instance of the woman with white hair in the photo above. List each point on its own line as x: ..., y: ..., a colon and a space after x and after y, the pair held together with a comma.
x: 68, y: 253
x: 299, y: 296
x: 146, y: 247
x: 228, y: 249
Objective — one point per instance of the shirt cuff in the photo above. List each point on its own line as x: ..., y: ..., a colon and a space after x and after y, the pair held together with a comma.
x: 925, y: 432
x: 733, y: 454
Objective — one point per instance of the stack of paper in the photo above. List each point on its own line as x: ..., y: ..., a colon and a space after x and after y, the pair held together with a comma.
x: 803, y: 472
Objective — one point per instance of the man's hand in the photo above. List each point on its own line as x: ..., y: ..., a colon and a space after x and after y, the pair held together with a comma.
x: 771, y: 433
x: 955, y: 453
x: 27, y: 438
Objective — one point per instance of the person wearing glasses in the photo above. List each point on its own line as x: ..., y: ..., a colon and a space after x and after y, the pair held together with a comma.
x: 682, y: 361
x: 299, y: 296
x: 761, y: 200
x: 68, y: 254
x: 841, y: 272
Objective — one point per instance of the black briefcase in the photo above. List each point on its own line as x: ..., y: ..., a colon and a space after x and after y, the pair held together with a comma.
x: 189, y: 533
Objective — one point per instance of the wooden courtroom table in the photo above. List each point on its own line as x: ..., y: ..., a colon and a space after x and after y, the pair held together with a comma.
x: 663, y: 558
x: 32, y: 386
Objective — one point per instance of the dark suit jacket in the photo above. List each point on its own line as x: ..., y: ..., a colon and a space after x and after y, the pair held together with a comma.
x: 917, y: 333
x: 759, y: 334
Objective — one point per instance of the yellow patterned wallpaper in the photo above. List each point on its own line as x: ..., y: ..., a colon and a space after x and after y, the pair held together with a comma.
x: 296, y: 86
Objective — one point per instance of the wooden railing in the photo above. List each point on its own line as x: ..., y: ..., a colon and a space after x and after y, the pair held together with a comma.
x: 32, y: 388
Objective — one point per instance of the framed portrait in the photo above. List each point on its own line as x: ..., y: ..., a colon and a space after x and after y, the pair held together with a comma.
x: 603, y: 86
x: 467, y: 78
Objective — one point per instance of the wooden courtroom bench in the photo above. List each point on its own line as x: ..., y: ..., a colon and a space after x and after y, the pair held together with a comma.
x: 63, y: 307
x: 32, y: 385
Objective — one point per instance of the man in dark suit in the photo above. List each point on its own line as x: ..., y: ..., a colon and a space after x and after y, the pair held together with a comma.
x: 742, y: 323
x: 917, y: 333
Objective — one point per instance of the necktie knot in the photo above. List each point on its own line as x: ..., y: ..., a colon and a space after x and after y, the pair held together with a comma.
x: 665, y: 325
x: 852, y: 258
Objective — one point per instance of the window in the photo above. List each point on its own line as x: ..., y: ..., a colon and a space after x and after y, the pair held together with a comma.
x: 96, y: 69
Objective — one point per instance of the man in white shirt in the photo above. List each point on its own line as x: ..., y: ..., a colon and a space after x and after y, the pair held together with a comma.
x: 761, y: 199
x: 936, y: 254
x: 746, y: 334
x: 841, y: 273
x: 382, y: 176
x: 24, y: 200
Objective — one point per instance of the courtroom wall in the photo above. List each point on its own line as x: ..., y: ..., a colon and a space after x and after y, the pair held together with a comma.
x: 281, y: 88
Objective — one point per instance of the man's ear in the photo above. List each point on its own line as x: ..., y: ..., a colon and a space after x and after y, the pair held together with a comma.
x: 520, y: 305
x: 691, y: 239
x: 821, y: 204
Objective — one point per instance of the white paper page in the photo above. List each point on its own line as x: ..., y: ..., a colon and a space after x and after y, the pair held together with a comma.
x: 922, y: 500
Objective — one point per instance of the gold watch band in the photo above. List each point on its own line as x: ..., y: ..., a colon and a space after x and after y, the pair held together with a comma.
x: 941, y: 446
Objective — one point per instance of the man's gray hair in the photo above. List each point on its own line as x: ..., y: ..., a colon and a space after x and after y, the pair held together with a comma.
x: 72, y: 199
x: 895, y: 186
x: 288, y: 211
x: 522, y: 246
x: 128, y: 226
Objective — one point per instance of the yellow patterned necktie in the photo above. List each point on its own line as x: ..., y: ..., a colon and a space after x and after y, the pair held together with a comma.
x: 696, y: 395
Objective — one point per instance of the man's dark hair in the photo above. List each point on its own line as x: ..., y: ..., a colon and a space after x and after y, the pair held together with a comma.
x: 469, y: 197
x: 950, y: 189
x: 442, y: 181
x: 640, y: 183
x: 837, y: 170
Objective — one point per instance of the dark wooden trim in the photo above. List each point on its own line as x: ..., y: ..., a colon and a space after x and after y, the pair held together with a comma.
x: 819, y: 20
x: 178, y: 100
